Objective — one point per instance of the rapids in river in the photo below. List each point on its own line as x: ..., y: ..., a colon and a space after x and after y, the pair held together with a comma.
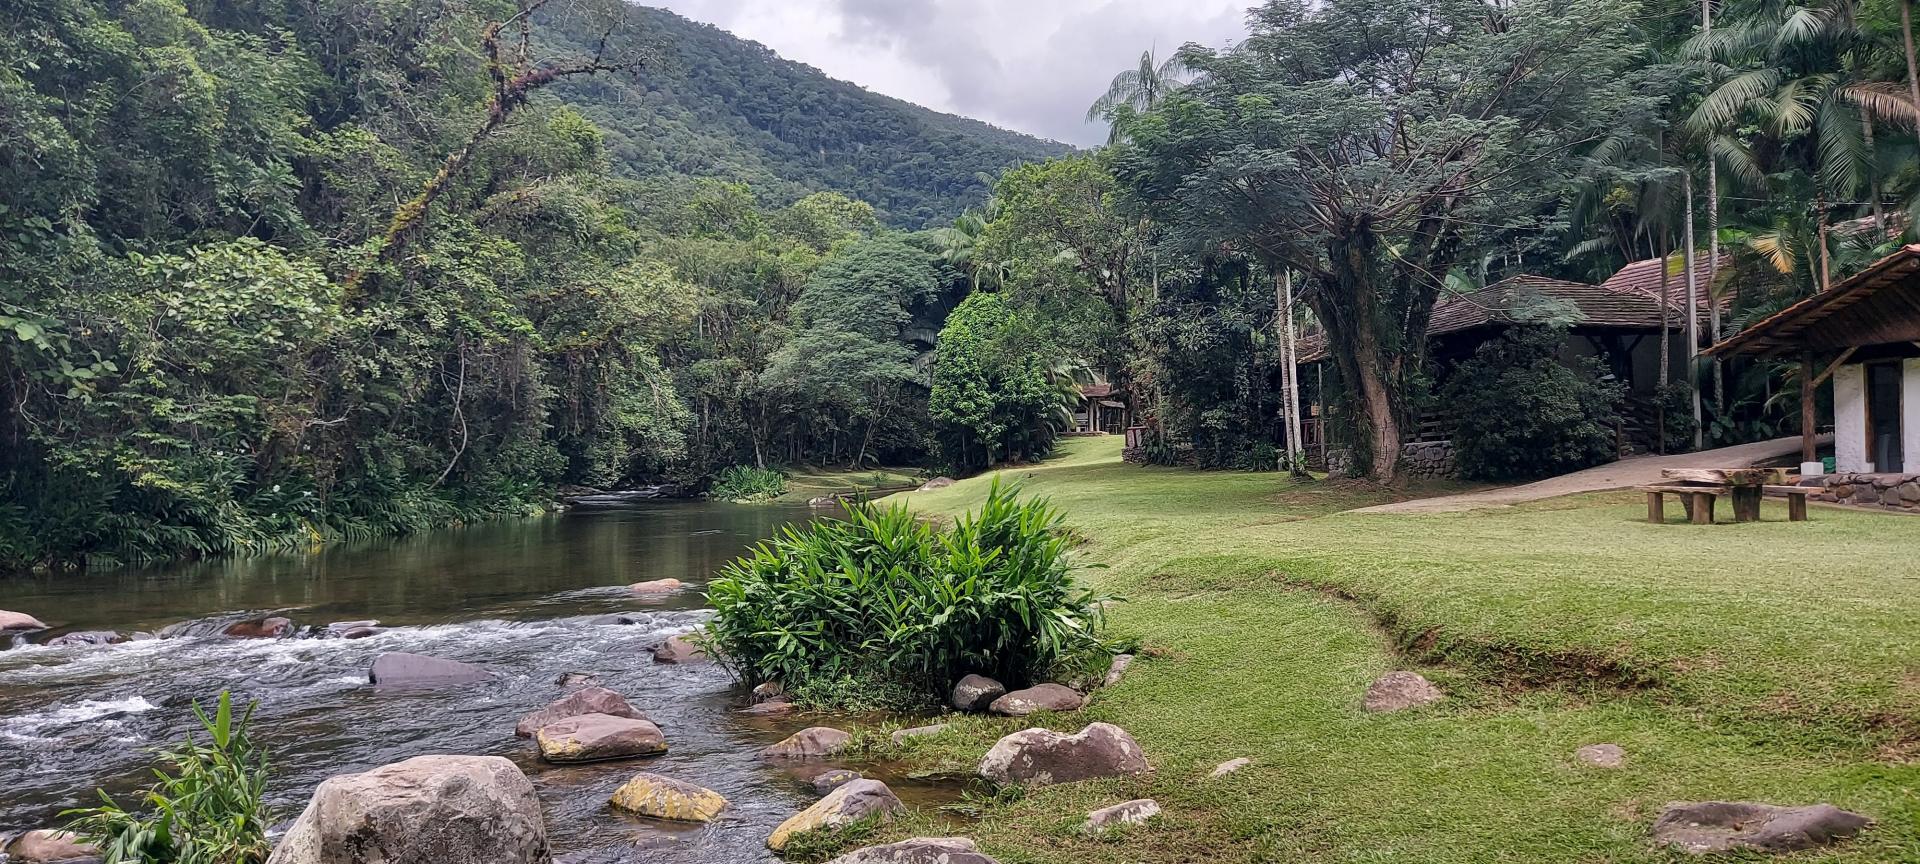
x: 519, y: 597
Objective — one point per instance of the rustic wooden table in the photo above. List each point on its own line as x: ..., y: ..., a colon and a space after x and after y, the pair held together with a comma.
x: 1745, y: 485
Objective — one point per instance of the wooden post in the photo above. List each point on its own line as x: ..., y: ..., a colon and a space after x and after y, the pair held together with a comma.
x: 1796, y: 508
x: 1702, y: 507
x: 1808, y: 433
x: 1746, y: 503
x: 1657, y: 508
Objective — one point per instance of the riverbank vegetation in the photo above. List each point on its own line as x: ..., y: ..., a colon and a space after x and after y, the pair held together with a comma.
x: 882, y: 610
x: 1724, y: 666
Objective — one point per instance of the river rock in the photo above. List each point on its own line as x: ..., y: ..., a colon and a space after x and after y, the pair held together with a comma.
x: 593, y: 700
x: 1228, y: 767
x: 768, y: 691
x: 621, y: 619
x: 775, y: 708
x: 858, y: 800
x: 1045, y: 697
x: 1130, y: 813
x: 86, y: 637
x: 920, y: 850
x: 1040, y: 757
x: 440, y: 809
x: 1398, y: 691
x: 598, y: 738
x: 826, y: 781
x: 679, y: 650
x: 902, y: 736
x: 346, y: 629
x: 398, y: 669
x: 657, y: 586
x: 1601, y: 756
x: 976, y: 693
x: 1117, y: 669
x: 666, y: 798
x: 47, y: 846
x: 817, y: 742
x: 263, y: 628
x: 19, y: 622
x: 572, y: 680
x: 1724, y: 826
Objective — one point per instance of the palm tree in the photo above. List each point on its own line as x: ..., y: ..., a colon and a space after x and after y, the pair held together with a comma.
x: 1137, y: 90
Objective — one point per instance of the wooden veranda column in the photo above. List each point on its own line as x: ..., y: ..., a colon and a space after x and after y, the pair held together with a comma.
x: 1808, y: 431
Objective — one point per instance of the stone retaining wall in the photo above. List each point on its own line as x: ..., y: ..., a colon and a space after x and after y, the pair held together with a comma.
x: 1899, y: 492
x: 1428, y: 460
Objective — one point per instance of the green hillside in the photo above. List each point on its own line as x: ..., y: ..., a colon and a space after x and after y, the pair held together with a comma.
x: 714, y: 105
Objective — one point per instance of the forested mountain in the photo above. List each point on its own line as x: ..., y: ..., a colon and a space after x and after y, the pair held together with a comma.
x: 709, y: 104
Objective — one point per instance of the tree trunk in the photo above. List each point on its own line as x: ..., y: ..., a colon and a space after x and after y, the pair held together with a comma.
x: 1349, y: 308
x: 1666, y: 350
x: 1913, y: 66
x: 1290, y: 347
x: 1693, y: 317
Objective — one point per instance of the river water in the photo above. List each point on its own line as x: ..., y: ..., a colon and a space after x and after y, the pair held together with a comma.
x: 518, y: 597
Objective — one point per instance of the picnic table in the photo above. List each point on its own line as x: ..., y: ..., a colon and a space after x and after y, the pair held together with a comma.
x: 1699, y: 488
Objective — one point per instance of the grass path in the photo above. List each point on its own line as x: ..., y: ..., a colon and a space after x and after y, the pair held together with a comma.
x: 1770, y: 661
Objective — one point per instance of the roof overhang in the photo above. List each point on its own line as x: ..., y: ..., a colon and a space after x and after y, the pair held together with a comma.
x: 1878, y: 305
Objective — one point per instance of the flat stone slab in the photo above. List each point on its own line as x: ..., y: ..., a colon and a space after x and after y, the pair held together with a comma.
x: 659, y: 797
x: 902, y: 736
x: 1601, y: 756
x: 399, y: 669
x: 1228, y: 767
x: 1399, y: 691
x: 598, y: 738
x: 920, y: 850
x: 592, y: 700
x: 1705, y: 827
x: 1135, y: 812
x: 1044, y: 697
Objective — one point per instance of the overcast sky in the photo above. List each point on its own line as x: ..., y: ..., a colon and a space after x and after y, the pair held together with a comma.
x: 1030, y: 65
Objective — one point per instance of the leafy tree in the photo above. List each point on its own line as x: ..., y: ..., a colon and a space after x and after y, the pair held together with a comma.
x: 1365, y: 144
x: 999, y: 391
x: 1524, y: 414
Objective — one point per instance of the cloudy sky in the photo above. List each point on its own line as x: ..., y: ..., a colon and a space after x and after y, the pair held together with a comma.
x: 1030, y: 65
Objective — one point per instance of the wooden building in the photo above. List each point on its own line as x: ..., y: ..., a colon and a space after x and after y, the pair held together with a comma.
x: 1863, y: 335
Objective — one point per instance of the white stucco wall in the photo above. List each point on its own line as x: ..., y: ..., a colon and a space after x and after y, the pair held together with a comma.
x: 1850, y: 418
x: 1910, y: 415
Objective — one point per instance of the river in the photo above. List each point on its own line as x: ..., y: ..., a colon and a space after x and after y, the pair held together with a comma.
x: 518, y: 597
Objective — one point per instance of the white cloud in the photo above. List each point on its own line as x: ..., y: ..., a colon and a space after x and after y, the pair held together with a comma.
x: 1031, y: 65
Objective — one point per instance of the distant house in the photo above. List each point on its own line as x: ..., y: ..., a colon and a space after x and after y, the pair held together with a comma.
x: 1102, y: 409
x: 1863, y: 334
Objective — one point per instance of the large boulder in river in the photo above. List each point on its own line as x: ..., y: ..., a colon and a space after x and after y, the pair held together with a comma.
x: 853, y: 802
x: 976, y: 692
x: 660, y: 797
x: 657, y: 586
x: 46, y: 846
x: 439, y: 809
x: 1726, y: 826
x: 1041, y: 757
x: 920, y: 850
x: 1044, y: 697
x: 598, y: 738
x: 19, y: 622
x: 1398, y: 691
x: 818, y: 742
x: 86, y: 637
x: 261, y: 628
x: 593, y: 700
x: 398, y: 669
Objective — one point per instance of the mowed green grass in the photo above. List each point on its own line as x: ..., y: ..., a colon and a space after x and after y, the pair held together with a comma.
x: 1769, y: 661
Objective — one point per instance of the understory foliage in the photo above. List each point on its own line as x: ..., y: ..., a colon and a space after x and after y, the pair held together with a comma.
x: 998, y: 391
x: 1525, y: 414
x: 206, y: 807
x: 882, y: 603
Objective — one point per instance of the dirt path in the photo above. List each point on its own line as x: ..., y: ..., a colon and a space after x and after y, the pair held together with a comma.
x: 1637, y: 471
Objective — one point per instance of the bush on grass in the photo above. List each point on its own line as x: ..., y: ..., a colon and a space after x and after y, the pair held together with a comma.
x: 879, y: 607
x: 746, y: 484
x: 1524, y: 414
x: 207, y: 806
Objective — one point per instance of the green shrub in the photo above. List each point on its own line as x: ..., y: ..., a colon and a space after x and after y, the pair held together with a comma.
x: 1525, y: 414
x: 743, y: 483
x: 904, y: 608
x: 206, y: 807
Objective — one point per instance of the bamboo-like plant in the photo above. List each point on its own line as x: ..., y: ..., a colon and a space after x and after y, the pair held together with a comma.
x: 206, y: 807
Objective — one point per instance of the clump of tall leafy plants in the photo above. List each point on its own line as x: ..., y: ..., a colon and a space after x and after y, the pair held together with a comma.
x: 747, y: 484
x: 1525, y: 414
x: 879, y: 602
x: 206, y: 807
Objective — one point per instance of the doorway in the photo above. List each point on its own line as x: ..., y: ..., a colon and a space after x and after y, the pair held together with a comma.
x: 1883, y: 418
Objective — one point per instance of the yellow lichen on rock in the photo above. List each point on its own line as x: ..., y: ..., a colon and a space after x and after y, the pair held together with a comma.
x: 667, y: 798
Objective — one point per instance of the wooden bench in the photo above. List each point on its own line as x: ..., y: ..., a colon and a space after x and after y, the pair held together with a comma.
x: 1796, y: 500
x: 1699, y: 501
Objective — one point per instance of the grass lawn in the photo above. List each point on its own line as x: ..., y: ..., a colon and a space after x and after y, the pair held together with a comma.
x: 1769, y: 661
x: 807, y: 483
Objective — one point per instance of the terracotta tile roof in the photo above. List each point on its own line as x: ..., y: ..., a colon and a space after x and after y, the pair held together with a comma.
x: 1524, y: 298
x: 1643, y: 278
x: 1096, y: 391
